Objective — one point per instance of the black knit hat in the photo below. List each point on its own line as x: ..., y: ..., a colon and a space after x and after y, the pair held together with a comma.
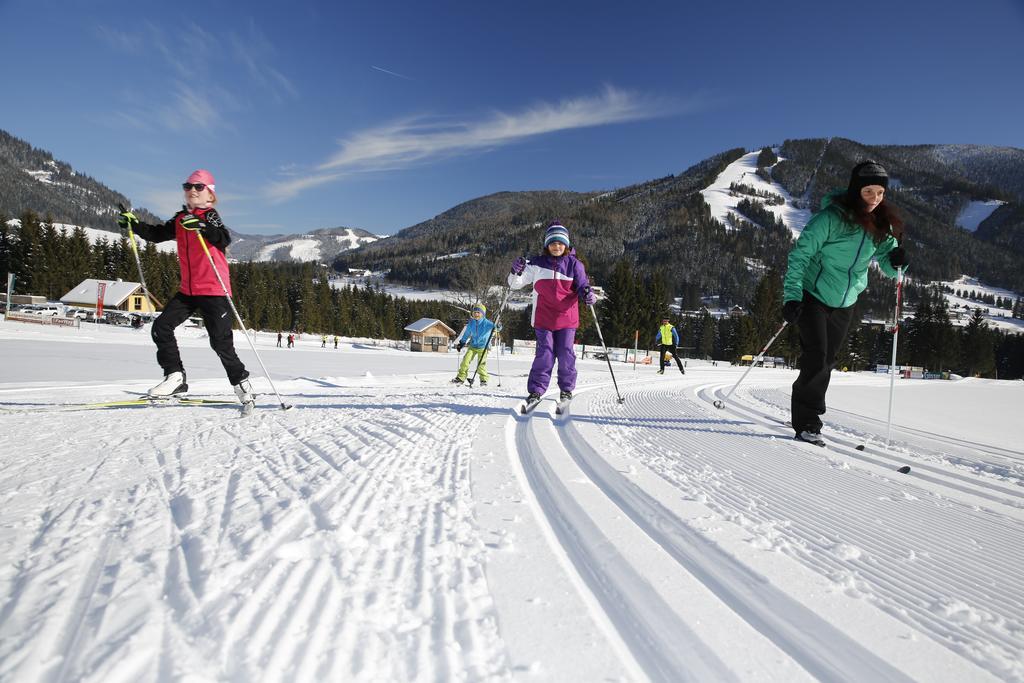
x: 867, y: 173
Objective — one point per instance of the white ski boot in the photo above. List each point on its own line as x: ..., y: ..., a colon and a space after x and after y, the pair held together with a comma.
x: 173, y: 384
x: 811, y: 437
x: 245, y: 396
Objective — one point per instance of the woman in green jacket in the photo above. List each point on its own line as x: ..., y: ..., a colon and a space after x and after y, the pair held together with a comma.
x: 828, y: 269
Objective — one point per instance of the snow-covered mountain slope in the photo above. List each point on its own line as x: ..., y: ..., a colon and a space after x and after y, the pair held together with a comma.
x: 723, y: 201
x: 319, y: 246
x: 976, y: 212
x: 94, y: 236
x: 391, y: 527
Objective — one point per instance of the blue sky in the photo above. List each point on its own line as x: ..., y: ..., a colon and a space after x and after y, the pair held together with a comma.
x: 380, y: 115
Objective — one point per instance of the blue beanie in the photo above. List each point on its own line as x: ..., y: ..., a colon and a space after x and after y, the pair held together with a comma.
x: 556, y: 232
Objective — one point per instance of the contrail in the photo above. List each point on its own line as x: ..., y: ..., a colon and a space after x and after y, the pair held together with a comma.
x: 391, y: 72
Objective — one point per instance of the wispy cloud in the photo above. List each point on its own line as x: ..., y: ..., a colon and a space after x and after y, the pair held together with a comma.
x: 182, y: 54
x: 254, y: 52
x: 121, y: 41
x: 420, y: 140
x: 392, y: 73
x: 192, y: 109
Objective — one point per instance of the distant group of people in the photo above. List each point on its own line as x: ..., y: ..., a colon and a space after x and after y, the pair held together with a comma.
x: 291, y: 340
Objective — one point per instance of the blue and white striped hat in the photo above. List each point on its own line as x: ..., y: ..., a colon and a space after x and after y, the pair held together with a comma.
x: 556, y: 232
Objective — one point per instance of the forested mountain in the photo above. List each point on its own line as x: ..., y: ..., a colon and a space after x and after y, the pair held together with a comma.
x: 33, y: 180
x: 664, y: 226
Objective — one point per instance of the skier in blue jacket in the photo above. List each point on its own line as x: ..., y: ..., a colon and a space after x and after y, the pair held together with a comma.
x: 476, y: 335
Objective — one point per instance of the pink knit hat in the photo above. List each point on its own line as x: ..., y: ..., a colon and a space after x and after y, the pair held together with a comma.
x: 203, y: 176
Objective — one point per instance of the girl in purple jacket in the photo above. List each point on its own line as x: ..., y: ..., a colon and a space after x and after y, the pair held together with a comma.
x: 559, y: 284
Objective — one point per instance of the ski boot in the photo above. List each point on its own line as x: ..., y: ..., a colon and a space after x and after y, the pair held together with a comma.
x: 531, y: 402
x: 661, y: 372
x: 808, y: 436
x: 565, y: 396
x: 245, y: 396
x: 457, y: 380
x: 483, y: 382
x: 173, y: 385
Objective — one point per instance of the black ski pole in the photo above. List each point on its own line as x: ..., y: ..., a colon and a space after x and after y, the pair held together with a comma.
x: 606, y: 356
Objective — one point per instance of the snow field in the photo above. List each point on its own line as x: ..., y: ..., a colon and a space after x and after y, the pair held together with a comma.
x: 392, y: 527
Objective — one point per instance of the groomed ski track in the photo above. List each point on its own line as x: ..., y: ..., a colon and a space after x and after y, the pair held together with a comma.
x: 394, y: 530
x: 905, y: 550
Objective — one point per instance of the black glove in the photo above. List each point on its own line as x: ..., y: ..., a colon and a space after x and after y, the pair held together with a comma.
x: 898, y: 257
x: 127, y: 220
x: 791, y: 311
x: 458, y: 347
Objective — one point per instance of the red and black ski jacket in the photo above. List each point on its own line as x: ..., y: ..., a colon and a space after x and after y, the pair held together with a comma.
x: 197, y: 277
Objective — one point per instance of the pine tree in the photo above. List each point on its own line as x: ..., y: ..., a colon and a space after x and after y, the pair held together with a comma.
x: 978, y: 349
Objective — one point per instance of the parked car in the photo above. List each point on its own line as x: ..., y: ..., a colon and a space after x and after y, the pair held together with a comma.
x: 43, y: 309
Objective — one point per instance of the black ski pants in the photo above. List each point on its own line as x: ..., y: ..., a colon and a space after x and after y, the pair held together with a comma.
x: 669, y: 348
x: 218, y: 319
x: 822, y: 331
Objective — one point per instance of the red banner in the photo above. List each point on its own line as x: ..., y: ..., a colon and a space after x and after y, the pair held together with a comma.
x: 101, y: 289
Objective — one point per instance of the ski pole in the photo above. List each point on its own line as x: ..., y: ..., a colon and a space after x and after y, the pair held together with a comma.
x: 606, y: 356
x: 487, y: 346
x: 138, y: 262
x: 636, y: 348
x: 206, y: 250
x: 892, y: 365
x: 720, y: 403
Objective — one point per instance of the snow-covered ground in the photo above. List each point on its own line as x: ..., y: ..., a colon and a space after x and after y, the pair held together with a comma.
x: 975, y: 212
x: 392, y: 527
x: 744, y: 171
x: 999, y: 318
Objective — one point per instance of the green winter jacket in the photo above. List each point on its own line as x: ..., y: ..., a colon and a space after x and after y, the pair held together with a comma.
x: 831, y: 258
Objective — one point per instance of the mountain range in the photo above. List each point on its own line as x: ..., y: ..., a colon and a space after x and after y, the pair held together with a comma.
x: 33, y: 180
x: 670, y: 225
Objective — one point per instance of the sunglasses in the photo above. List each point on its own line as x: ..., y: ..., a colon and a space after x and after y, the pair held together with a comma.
x: 198, y: 187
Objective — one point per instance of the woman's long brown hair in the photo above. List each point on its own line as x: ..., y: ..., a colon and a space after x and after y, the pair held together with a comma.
x: 880, y: 223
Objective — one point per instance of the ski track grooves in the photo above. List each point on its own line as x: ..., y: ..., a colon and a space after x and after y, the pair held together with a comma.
x: 817, y: 646
x: 914, y: 580
x: 664, y: 646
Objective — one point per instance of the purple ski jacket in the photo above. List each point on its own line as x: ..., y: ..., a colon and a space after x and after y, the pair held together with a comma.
x: 556, y: 286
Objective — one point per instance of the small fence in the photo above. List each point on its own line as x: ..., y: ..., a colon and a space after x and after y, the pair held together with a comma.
x: 55, y: 320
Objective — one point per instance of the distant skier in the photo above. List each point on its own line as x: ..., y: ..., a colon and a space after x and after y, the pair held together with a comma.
x: 199, y: 287
x: 279, y: 339
x: 323, y: 341
x: 291, y: 340
x: 335, y: 342
x: 476, y: 334
x: 827, y: 271
x: 668, y: 341
x: 559, y: 284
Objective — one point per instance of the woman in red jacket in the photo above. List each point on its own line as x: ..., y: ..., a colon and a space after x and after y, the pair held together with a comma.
x: 200, y: 289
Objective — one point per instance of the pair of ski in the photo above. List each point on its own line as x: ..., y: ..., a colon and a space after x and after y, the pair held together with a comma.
x: 527, y: 406
x: 142, y: 401
x: 905, y: 469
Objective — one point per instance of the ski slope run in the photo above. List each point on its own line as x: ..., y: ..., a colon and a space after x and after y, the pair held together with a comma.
x: 391, y: 528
